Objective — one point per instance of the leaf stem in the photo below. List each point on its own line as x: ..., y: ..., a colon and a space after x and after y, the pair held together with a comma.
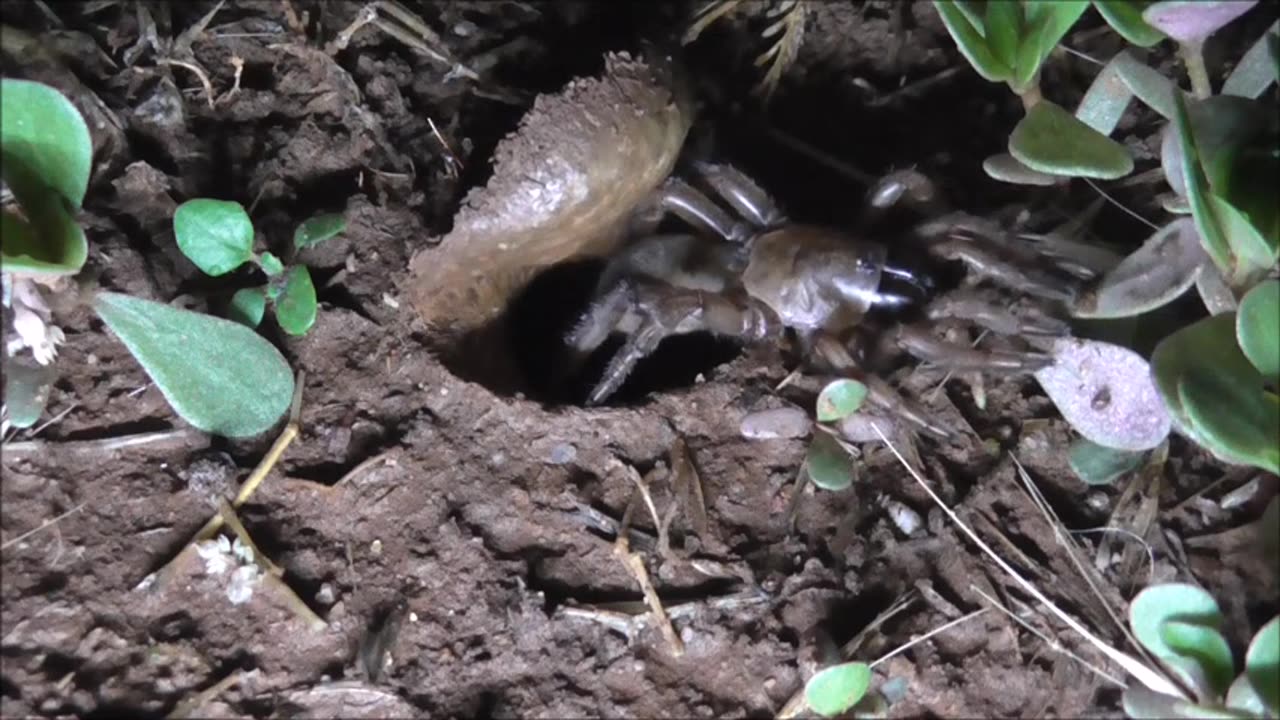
x: 1193, y: 57
x: 1031, y: 96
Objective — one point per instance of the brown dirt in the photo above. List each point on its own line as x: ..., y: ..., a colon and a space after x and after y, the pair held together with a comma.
x: 460, y: 538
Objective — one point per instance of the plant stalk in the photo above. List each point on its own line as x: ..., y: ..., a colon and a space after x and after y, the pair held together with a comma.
x: 1031, y: 96
x: 1193, y: 57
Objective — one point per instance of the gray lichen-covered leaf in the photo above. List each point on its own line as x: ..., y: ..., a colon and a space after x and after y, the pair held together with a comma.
x: 348, y: 699
x: 1107, y: 394
x: 1156, y: 273
x: 562, y: 187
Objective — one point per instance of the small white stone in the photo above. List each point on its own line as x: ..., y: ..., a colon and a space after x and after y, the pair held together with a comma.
x: 376, y: 547
x: 413, y: 617
x: 784, y: 422
x: 390, y: 301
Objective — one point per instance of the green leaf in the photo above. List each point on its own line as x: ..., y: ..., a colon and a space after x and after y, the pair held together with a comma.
x: 1125, y: 17
x: 1003, y: 24
x: 970, y: 42
x: 830, y: 466
x: 1208, y: 346
x: 1207, y: 647
x: 318, y: 229
x: 1047, y: 23
x: 218, y: 375
x: 1254, y: 254
x: 1244, y: 697
x: 1262, y: 664
x: 1007, y: 168
x: 840, y: 399
x: 52, y: 244
x: 270, y: 264
x: 248, y: 306
x: 1246, y: 175
x: 835, y: 689
x: 1258, y: 328
x: 1151, y: 87
x: 1191, y: 22
x: 1150, y: 615
x: 1255, y: 72
x: 1197, y: 185
x: 216, y: 235
x: 26, y: 390
x: 1051, y: 140
x: 296, y: 305
x: 1100, y: 465
x: 1233, y: 415
x: 1157, y: 272
x: 1106, y: 100
x: 46, y: 143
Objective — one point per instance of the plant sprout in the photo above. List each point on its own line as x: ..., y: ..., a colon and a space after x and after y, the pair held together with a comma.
x: 1180, y: 625
x: 215, y: 374
x: 218, y: 236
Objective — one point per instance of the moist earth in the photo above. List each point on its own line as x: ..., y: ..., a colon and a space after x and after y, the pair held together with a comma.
x: 449, y: 534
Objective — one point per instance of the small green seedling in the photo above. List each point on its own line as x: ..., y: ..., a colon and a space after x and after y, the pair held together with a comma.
x: 1180, y: 625
x: 217, y: 375
x: 218, y: 236
x: 835, y: 690
x: 828, y: 462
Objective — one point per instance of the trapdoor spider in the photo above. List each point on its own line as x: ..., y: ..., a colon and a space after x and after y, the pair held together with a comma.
x: 752, y: 279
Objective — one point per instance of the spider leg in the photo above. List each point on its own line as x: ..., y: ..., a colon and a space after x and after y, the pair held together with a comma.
x: 742, y: 193
x: 665, y: 310
x: 679, y: 198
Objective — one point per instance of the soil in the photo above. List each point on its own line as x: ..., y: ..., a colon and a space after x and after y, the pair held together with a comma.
x: 448, y: 532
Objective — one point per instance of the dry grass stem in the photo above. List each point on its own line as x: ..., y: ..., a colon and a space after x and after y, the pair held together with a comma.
x: 1051, y: 642
x: 42, y: 526
x: 1146, y: 675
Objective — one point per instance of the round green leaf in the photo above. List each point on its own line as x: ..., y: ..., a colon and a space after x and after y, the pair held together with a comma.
x: 835, y: 689
x: 26, y: 390
x: 1208, y: 346
x: 318, y: 229
x: 1153, y: 609
x: 840, y: 399
x: 1156, y: 273
x: 1262, y: 664
x: 1054, y: 141
x: 1208, y: 648
x: 830, y: 466
x: 296, y: 305
x: 1244, y: 697
x: 46, y: 143
x: 270, y: 264
x: 1099, y: 465
x: 1258, y: 328
x: 1233, y: 416
x: 248, y: 306
x: 1125, y: 17
x: 216, y: 235
x: 1006, y: 168
x: 218, y: 375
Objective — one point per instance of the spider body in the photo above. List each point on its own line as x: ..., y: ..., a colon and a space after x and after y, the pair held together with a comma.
x: 756, y: 276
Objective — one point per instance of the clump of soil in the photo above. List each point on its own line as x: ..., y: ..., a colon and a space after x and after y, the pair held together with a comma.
x: 450, y: 533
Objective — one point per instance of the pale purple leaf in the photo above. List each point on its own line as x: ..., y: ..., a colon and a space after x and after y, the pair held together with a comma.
x: 1107, y: 394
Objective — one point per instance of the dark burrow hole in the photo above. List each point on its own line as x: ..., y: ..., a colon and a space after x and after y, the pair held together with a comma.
x: 539, y: 318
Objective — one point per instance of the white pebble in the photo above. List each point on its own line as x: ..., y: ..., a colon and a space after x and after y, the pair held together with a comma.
x: 376, y: 547
x: 784, y: 422
x: 858, y: 427
x: 907, y: 520
x: 563, y: 454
